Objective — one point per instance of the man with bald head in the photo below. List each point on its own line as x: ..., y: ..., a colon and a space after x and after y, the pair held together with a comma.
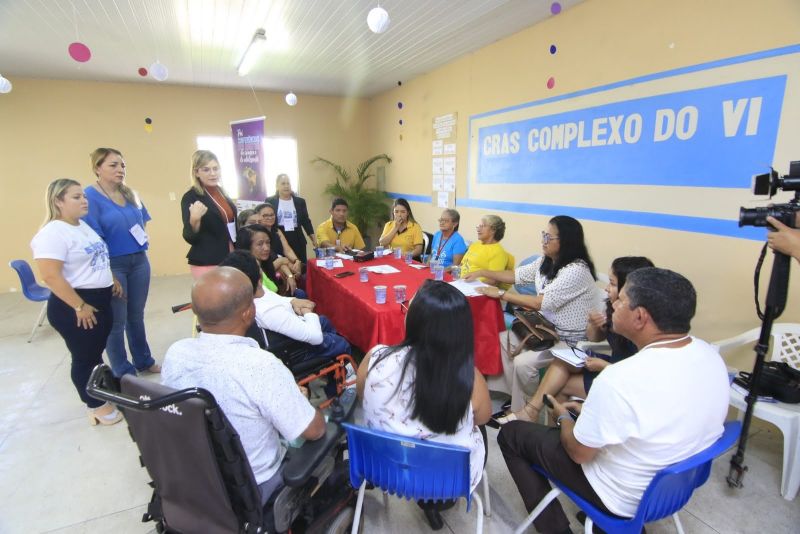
x: 255, y: 390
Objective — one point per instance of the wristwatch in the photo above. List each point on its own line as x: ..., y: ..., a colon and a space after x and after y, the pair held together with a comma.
x: 79, y: 307
x: 290, y: 276
x: 561, y: 418
x: 500, y: 293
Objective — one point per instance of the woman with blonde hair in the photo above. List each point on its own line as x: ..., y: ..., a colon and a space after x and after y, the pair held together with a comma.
x: 73, y: 261
x: 119, y: 218
x: 209, y: 215
x: 292, y: 216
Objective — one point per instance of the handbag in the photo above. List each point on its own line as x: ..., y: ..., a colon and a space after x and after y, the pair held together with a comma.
x: 778, y: 380
x: 534, y: 331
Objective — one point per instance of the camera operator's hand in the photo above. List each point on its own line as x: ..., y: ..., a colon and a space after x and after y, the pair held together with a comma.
x: 784, y: 239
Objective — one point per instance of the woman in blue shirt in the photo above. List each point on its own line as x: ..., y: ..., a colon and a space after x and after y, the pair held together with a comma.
x: 119, y: 217
x: 448, y: 247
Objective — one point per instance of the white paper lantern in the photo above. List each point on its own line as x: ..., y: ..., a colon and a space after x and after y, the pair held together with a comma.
x: 159, y: 71
x: 378, y: 20
x: 291, y: 99
x: 5, y: 85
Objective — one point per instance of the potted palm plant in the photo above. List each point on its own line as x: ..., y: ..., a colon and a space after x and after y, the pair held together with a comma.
x: 368, y: 207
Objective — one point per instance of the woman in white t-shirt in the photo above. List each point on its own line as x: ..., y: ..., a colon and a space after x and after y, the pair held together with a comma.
x: 73, y: 261
x: 427, y: 387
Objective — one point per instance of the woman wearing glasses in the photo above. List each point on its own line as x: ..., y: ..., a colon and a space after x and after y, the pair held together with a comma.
x: 565, y: 284
x: 448, y: 247
x: 487, y: 255
x: 427, y: 387
x: 209, y: 215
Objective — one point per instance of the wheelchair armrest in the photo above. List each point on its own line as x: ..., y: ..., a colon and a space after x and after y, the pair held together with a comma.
x: 304, y: 460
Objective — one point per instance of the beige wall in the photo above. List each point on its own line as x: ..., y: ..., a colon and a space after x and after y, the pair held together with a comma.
x: 49, y: 127
x: 601, y: 42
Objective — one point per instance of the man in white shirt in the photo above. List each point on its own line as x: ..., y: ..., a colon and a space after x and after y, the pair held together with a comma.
x: 255, y: 390
x: 658, y: 407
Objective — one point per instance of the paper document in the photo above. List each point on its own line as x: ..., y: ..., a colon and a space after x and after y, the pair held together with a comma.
x: 336, y: 263
x: 343, y: 256
x: 382, y: 269
x: 575, y: 357
x: 468, y: 288
x: 418, y: 266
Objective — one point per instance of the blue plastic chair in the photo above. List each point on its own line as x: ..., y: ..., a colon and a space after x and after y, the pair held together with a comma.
x: 31, y: 290
x: 411, y: 469
x: 668, y: 492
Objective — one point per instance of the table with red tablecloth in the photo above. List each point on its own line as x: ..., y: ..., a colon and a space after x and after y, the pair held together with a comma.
x: 350, y: 305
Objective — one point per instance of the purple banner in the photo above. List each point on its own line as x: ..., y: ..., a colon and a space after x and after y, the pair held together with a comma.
x: 248, y: 153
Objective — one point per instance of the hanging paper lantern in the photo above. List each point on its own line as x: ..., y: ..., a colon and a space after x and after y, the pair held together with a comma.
x: 378, y: 20
x: 291, y: 99
x: 159, y: 71
x: 5, y: 85
x: 142, y: 72
x: 79, y: 52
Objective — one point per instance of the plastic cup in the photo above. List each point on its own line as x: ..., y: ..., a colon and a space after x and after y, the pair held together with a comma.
x: 409, y: 257
x: 455, y: 270
x: 398, y: 253
x: 438, y: 272
x: 330, y: 252
x: 433, y: 264
x: 329, y: 262
x: 380, y: 294
x: 319, y: 253
x: 379, y: 251
x: 363, y: 274
x: 399, y: 293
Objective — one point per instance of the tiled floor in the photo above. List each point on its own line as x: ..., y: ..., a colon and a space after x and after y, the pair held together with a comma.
x: 58, y: 474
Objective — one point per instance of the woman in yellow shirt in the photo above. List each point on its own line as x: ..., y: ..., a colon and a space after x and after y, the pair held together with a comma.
x: 403, y: 231
x: 487, y: 252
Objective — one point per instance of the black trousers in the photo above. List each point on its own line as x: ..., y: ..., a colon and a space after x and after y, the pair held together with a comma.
x: 522, y: 444
x: 85, y: 346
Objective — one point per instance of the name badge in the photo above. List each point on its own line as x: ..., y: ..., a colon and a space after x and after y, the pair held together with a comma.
x: 138, y: 234
x: 288, y: 222
x: 232, y: 231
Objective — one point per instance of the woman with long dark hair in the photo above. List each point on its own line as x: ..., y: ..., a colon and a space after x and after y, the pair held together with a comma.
x: 427, y: 386
x: 280, y: 245
x: 256, y: 239
x: 402, y: 231
x: 562, y: 380
x: 565, y: 284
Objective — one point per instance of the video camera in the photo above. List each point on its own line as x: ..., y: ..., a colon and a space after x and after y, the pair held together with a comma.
x: 769, y: 184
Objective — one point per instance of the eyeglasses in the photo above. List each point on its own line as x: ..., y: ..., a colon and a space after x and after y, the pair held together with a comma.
x: 546, y: 238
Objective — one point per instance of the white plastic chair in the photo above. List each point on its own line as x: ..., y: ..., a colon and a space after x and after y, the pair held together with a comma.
x: 785, y: 347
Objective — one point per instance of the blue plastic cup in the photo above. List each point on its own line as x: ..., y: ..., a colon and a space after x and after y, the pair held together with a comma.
x: 398, y: 253
x: 455, y: 270
x: 409, y: 257
x: 379, y: 251
x: 438, y: 272
x: 330, y: 252
x: 380, y: 294
x: 329, y: 262
x: 363, y: 274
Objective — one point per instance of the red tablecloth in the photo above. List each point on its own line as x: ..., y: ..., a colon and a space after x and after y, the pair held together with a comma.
x: 350, y: 305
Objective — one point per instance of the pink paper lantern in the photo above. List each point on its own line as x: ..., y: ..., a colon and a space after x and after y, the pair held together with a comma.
x: 79, y: 52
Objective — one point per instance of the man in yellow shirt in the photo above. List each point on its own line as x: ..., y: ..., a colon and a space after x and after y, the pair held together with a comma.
x: 337, y: 232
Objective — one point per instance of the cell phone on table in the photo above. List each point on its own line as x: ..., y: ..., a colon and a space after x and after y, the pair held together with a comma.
x: 343, y: 274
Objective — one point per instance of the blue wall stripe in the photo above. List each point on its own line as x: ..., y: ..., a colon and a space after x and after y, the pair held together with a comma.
x: 683, y: 223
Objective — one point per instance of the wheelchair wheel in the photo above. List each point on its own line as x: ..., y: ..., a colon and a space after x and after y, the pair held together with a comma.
x: 343, y: 522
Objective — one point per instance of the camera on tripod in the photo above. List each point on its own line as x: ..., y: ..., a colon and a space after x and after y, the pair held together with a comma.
x: 769, y: 184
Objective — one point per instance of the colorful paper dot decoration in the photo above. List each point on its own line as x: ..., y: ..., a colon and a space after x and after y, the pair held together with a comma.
x: 148, y: 128
x: 399, y: 83
x: 399, y: 105
x: 553, y: 49
x: 142, y: 71
x: 148, y: 120
x: 555, y: 8
x: 551, y: 82
x: 401, y: 122
x: 79, y: 52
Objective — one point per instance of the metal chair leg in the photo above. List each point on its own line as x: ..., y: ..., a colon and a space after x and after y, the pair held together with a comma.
x: 39, y: 321
x: 486, y: 494
x: 359, y: 507
x: 555, y: 492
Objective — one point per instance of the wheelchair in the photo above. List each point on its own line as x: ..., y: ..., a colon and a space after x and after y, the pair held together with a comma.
x: 201, y: 478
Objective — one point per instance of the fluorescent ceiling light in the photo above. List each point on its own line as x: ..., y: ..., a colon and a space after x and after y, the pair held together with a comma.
x: 253, y: 52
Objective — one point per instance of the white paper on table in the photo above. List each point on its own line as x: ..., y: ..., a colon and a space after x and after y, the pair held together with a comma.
x: 336, y: 263
x: 449, y: 165
x: 343, y: 256
x: 575, y: 359
x: 449, y: 148
x: 382, y: 269
x: 449, y: 182
x: 441, y: 199
x: 468, y: 288
x: 438, y: 166
x: 437, y: 147
x: 417, y: 266
x: 386, y: 252
x: 438, y: 181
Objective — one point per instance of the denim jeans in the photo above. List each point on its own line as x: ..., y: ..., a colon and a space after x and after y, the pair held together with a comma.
x: 133, y: 272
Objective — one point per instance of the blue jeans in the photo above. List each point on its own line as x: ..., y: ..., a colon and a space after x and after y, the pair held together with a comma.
x: 133, y: 272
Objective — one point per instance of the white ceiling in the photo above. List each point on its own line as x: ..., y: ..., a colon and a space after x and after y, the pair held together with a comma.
x: 313, y: 46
